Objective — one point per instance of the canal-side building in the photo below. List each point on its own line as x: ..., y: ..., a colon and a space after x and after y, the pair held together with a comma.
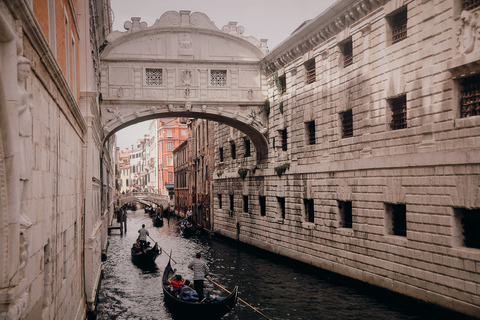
x: 373, y: 160
x: 57, y: 171
x: 123, y: 163
x: 182, y: 167
x: 171, y: 133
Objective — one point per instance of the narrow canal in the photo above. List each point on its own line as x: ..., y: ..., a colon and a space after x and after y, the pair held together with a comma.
x: 278, y: 288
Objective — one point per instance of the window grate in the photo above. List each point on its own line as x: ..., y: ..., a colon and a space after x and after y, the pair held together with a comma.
x: 218, y: 78
x: 284, y: 139
x: 348, y: 54
x: 399, y: 113
x: 310, y: 71
x: 311, y: 132
x: 347, y: 123
x: 309, y: 210
x: 283, y: 84
x: 470, y: 4
x: 470, y: 223
x: 399, y: 26
x: 470, y: 97
x: 153, y: 77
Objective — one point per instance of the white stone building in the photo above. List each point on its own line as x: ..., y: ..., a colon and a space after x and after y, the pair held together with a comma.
x: 151, y: 153
x: 372, y: 169
x: 56, y: 174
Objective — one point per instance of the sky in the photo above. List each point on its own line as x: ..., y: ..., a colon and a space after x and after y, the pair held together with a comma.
x: 274, y: 20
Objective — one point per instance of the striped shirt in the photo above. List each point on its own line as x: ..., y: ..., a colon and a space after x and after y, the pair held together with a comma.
x: 200, y: 269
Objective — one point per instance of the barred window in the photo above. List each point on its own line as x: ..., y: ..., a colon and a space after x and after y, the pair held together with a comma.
x: 245, y: 203
x: 153, y: 77
x: 219, y: 201
x: 470, y: 96
x: 310, y: 126
x: 218, y: 78
x: 398, y: 23
x: 345, y: 214
x: 310, y: 71
x: 347, y: 53
x: 282, y: 80
x: 309, y: 210
x: 347, y: 123
x: 396, y: 218
x: 247, y: 148
x: 399, y: 112
x: 263, y: 205
x: 470, y: 4
x: 281, y: 207
x: 468, y: 221
x: 283, y: 134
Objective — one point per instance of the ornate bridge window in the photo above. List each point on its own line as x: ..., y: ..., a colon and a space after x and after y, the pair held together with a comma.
x: 153, y: 77
x: 218, y: 78
x: 470, y: 4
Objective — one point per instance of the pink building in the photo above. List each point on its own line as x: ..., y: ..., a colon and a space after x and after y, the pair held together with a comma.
x: 171, y: 133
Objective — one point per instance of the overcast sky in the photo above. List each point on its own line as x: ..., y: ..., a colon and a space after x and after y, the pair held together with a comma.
x: 274, y: 20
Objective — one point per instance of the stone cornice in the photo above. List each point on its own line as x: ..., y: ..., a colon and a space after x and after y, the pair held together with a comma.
x: 317, y: 31
x: 34, y: 33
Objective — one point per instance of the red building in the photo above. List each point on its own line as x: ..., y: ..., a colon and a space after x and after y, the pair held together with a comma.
x: 171, y: 133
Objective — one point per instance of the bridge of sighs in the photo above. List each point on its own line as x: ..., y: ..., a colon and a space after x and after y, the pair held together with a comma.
x: 184, y: 66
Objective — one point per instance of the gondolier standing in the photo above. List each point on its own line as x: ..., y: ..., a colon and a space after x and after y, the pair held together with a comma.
x: 200, y: 271
x: 143, y: 236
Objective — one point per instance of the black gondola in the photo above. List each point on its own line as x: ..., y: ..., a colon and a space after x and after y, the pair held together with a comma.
x: 209, y: 309
x: 145, y: 256
x: 187, y: 228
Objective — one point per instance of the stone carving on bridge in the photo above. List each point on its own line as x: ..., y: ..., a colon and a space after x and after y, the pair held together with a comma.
x: 118, y: 115
x: 188, y: 106
x: 204, y: 108
x: 250, y: 94
x: 187, y: 92
x: 219, y: 110
x: 254, y: 118
x: 185, y: 44
x: 187, y: 77
x: 120, y: 92
x: 467, y: 32
x: 170, y: 107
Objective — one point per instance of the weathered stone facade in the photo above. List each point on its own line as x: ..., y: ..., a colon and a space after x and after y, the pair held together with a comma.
x: 55, y: 168
x: 372, y: 168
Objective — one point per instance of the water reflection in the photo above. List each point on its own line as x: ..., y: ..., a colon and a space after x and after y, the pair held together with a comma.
x: 279, y: 288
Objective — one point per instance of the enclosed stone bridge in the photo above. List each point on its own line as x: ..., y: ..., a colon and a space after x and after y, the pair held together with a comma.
x: 184, y: 66
x: 156, y: 198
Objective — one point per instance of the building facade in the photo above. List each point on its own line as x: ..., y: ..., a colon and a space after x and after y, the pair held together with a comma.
x: 123, y: 163
x: 57, y: 174
x: 171, y: 133
x: 372, y: 168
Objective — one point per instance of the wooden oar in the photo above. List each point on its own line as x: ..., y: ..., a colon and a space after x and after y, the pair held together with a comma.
x: 238, y: 298
x: 163, y: 250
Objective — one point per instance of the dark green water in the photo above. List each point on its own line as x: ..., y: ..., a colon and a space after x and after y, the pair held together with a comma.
x: 278, y: 288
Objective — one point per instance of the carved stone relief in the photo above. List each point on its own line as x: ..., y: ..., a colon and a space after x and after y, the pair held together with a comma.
x: 467, y: 32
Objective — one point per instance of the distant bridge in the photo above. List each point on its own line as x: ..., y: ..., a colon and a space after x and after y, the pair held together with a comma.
x: 156, y: 198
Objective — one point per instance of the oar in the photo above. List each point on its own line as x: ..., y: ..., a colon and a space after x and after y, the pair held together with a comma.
x: 163, y: 250
x: 238, y: 298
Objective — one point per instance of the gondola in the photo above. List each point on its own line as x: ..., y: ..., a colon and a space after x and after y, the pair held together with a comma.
x: 209, y: 309
x: 145, y: 256
x: 187, y: 228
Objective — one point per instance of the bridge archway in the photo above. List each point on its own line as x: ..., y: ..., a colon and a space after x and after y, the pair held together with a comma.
x: 184, y: 66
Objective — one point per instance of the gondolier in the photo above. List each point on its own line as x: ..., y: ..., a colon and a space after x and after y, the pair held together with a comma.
x: 143, y: 236
x: 200, y: 271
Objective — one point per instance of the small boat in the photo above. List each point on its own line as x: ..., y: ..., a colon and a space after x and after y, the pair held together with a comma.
x: 158, y: 221
x: 145, y: 256
x: 187, y: 309
x: 187, y: 228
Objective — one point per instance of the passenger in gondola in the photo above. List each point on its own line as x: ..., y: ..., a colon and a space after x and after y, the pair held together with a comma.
x: 136, y: 247
x: 177, y: 282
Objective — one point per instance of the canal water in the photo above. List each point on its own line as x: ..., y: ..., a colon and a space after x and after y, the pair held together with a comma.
x: 277, y: 287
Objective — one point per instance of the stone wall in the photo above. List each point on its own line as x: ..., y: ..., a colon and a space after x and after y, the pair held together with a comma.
x: 429, y: 169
